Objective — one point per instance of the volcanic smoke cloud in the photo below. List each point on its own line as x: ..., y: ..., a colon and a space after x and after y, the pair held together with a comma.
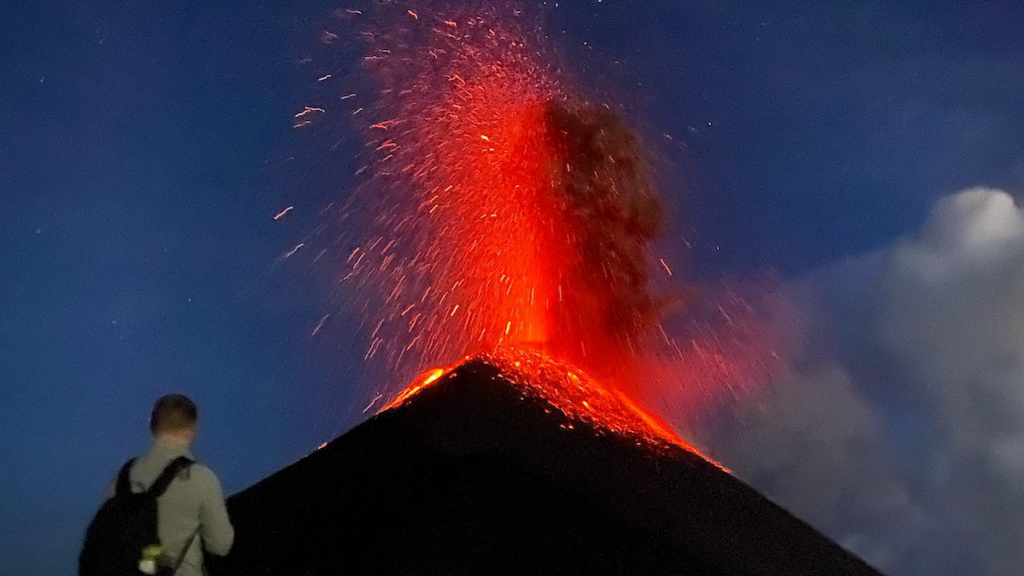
x: 502, y: 208
x: 898, y: 427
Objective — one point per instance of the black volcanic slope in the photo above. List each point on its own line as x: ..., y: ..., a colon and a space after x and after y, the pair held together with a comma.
x: 470, y: 477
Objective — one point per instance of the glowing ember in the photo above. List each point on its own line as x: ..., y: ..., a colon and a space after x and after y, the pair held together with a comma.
x: 282, y: 213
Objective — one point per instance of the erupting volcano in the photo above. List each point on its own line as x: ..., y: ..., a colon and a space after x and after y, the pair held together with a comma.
x: 507, y: 210
x: 509, y: 224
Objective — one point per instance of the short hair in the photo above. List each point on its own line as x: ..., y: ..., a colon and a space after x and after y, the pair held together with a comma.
x: 173, y: 412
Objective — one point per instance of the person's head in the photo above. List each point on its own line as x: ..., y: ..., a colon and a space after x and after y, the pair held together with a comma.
x: 174, y: 419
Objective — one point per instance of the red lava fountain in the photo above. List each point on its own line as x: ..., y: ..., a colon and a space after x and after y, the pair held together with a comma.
x: 508, y: 216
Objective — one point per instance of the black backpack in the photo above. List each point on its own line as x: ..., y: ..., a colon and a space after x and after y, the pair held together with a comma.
x: 125, y: 525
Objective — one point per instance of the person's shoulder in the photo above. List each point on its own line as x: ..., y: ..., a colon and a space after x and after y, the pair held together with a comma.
x: 202, y: 473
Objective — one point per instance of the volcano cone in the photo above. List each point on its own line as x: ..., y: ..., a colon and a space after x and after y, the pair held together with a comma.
x: 477, y: 473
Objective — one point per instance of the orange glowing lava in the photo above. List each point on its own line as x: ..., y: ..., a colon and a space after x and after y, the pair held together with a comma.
x: 503, y: 210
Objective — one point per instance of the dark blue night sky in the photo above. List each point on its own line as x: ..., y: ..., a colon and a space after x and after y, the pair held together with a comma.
x: 145, y: 147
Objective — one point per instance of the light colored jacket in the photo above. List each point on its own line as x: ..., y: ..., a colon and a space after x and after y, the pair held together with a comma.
x: 192, y: 504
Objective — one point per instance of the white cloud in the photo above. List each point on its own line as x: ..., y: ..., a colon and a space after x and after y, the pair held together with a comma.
x: 899, y: 429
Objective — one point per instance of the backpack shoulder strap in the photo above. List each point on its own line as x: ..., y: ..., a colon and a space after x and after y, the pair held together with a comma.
x: 124, y: 483
x: 168, y: 475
